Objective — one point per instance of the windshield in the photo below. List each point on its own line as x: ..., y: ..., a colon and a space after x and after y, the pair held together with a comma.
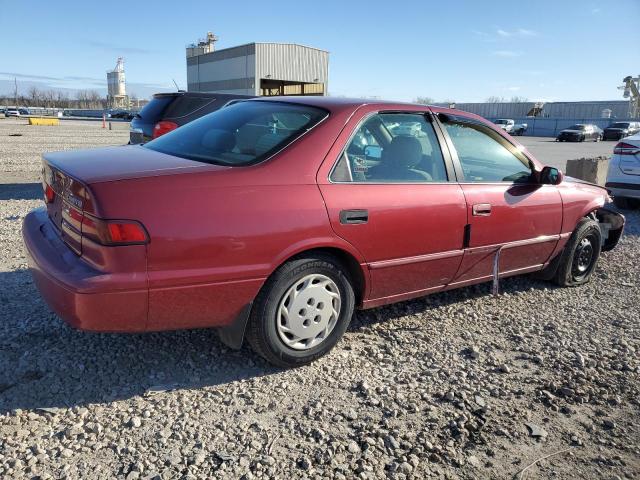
x: 501, y: 122
x: 241, y: 134
x: 619, y: 125
x: 576, y: 127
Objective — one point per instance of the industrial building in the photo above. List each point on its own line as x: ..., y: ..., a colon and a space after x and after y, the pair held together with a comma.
x: 556, y: 110
x: 116, y: 86
x: 257, y: 69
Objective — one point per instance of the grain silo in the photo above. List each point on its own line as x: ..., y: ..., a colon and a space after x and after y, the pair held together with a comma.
x: 116, y: 86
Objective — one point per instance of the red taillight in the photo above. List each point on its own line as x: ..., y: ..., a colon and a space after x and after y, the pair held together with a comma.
x: 163, y: 127
x: 623, y: 148
x: 115, y: 232
x: 126, y: 233
x: 49, y: 194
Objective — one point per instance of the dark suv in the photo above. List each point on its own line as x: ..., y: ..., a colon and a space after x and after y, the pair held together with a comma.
x: 168, y: 111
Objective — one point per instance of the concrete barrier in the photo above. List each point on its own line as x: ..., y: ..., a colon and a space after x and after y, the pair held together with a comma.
x: 592, y: 170
x: 43, y: 121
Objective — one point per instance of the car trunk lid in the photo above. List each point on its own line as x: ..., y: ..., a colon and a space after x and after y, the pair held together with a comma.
x: 120, y: 163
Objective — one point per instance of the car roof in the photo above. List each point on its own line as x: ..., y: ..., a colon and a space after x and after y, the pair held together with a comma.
x: 335, y: 104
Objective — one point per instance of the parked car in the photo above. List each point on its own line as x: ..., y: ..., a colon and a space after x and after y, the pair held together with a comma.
x: 168, y: 111
x: 510, y: 126
x: 124, y: 114
x: 12, y: 112
x: 272, y: 219
x: 623, y: 177
x: 24, y: 111
x: 618, y: 130
x: 579, y: 133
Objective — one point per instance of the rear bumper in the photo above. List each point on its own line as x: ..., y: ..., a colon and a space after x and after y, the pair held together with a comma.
x: 93, y: 300
x: 83, y: 297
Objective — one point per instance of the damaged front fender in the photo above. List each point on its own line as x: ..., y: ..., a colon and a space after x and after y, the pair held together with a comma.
x: 611, y: 225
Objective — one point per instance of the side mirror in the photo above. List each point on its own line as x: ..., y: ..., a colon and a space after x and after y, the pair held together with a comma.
x: 551, y: 176
x: 373, y: 151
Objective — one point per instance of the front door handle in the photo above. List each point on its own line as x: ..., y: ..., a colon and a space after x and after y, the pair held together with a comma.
x: 481, y: 210
x: 354, y: 216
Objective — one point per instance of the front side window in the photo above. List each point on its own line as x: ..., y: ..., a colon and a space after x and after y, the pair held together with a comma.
x: 240, y: 134
x: 392, y: 148
x: 484, y: 155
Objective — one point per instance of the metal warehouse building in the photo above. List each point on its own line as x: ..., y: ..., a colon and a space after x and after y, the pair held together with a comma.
x: 556, y: 110
x: 257, y: 69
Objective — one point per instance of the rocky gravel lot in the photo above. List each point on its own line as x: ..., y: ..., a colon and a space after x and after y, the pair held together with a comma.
x: 539, y: 382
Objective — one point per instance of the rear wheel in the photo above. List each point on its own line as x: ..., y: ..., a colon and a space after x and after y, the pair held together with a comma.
x: 580, y: 256
x: 302, y: 311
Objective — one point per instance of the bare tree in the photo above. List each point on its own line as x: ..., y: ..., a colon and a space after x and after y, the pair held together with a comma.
x: 62, y: 99
x: 95, y: 100
x: 494, y: 99
x: 424, y: 100
x: 34, y: 97
x: 516, y: 99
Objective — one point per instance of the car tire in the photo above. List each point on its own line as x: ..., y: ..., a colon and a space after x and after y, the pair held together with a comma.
x: 580, y: 256
x: 272, y: 334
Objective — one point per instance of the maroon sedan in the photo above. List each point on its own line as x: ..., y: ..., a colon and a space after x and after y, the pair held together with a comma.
x: 275, y: 218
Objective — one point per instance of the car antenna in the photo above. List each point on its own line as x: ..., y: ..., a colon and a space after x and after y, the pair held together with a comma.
x: 174, y: 82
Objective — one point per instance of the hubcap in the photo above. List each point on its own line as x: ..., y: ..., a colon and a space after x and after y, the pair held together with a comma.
x: 583, y: 258
x: 308, y: 312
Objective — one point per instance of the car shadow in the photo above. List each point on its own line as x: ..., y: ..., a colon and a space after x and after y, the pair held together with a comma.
x: 20, y: 191
x: 45, y: 364
x: 511, y: 285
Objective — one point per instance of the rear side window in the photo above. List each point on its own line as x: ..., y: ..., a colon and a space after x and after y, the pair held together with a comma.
x: 241, y: 134
x: 153, y: 110
x: 392, y: 148
x: 486, y: 156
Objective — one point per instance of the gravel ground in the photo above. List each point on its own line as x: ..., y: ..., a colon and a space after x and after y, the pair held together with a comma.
x: 22, y: 144
x: 455, y: 385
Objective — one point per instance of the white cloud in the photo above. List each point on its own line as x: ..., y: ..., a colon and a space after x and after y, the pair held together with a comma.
x: 520, y: 32
x: 523, y: 32
x: 506, y: 53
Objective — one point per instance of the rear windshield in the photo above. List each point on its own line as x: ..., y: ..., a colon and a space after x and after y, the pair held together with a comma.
x: 186, y: 105
x: 501, y: 122
x: 241, y: 134
x: 153, y: 110
x: 619, y: 125
x: 577, y: 127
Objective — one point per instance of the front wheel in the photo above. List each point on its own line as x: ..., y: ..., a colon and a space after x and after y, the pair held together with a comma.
x: 580, y: 255
x: 302, y: 311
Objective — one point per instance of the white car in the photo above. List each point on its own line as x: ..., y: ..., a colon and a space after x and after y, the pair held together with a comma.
x: 12, y: 112
x: 510, y: 126
x: 623, y: 177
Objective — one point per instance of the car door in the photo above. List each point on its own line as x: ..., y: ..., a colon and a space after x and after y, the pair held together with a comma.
x: 507, y: 209
x: 392, y: 195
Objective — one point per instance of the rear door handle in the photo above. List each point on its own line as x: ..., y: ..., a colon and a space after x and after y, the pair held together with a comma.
x: 481, y: 209
x: 354, y: 216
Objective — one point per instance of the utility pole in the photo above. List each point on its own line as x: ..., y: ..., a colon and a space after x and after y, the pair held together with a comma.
x: 15, y: 92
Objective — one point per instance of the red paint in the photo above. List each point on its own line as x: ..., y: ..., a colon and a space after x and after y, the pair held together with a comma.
x: 215, y: 233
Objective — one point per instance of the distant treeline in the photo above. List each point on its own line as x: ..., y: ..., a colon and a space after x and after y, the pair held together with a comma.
x: 58, y: 99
